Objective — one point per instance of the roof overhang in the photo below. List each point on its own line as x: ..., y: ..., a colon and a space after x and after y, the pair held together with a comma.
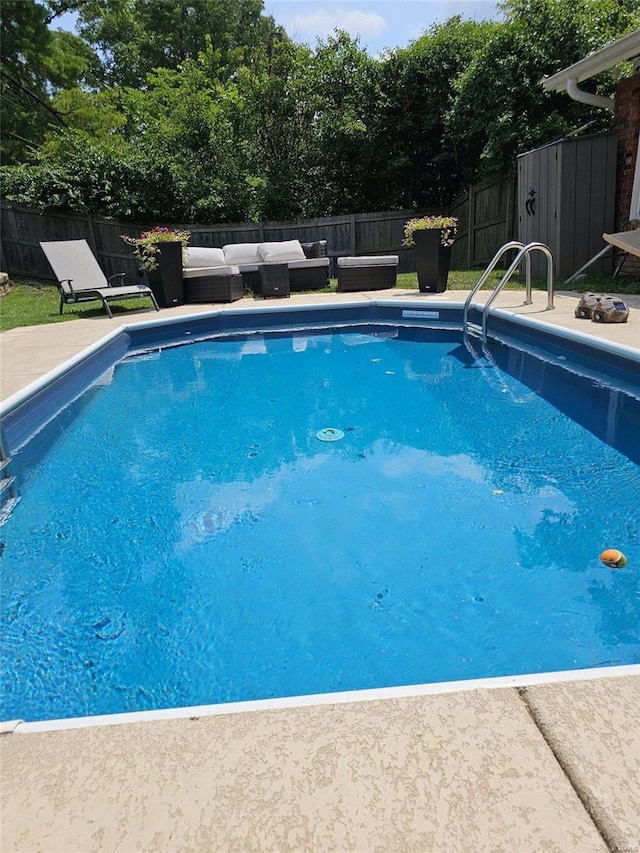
x: 621, y: 50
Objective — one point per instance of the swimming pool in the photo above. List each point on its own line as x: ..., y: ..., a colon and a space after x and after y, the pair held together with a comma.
x: 215, y: 550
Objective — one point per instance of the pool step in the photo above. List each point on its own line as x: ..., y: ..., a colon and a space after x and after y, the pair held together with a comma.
x: 8, y: 483
x: 474, y: 329
x: 8, y: 486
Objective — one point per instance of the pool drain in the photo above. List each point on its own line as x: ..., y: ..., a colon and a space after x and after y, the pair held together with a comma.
x: 329, y: 434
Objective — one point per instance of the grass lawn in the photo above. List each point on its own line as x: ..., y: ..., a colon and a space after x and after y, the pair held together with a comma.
x: 33, y: 303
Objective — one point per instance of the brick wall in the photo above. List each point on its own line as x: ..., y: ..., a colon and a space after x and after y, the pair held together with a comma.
x: 627, y: 125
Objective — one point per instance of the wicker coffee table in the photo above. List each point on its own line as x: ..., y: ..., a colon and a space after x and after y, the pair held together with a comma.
x: 212, y: 287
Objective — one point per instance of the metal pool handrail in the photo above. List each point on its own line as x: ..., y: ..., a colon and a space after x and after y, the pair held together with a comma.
x: 523, y: 253
x: 514, y: 244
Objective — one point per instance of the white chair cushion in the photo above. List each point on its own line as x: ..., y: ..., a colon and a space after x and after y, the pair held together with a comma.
x: 201, y: 272
x: 281, y: 252
x: 242, y: 253
x: 369, y: 261
x: 201, y: 256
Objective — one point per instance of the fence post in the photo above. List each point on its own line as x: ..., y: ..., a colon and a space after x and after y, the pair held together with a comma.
x: 352, y: 235
x: 92, y: 235
x: 508, y: 225
x: 471, y: 227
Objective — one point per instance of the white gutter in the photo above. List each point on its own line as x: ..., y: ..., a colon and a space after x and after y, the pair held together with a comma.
x: 626, y: 48
x: 587, y: 97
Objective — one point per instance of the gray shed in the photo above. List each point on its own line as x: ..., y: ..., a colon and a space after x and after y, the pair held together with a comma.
x: 566, y: 199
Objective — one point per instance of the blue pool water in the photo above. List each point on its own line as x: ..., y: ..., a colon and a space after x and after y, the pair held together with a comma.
x: 185, y: 538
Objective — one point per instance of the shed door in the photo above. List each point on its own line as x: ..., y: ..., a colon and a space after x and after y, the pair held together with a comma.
x: 537, y: 202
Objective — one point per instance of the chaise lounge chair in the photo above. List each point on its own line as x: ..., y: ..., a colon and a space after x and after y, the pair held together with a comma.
x: 80, y: 278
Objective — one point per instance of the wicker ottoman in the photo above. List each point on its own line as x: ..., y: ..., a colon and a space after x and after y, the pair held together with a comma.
x: 274, y: 280
x: 374, y: 272
x: 217, y: 284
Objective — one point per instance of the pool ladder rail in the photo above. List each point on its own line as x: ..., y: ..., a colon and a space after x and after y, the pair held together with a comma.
x: 524, y: 254
x: 8, y: 487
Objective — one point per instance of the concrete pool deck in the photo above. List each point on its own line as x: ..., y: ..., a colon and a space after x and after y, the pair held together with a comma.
x: 542, y: 766
x: 29, y: 352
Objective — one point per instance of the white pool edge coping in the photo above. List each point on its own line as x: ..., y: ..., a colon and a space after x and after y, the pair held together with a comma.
x: 315, y: 699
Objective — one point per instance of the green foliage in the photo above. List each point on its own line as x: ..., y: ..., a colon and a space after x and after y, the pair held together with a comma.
x: 36, y: 62
x: 500, y: 108
x: 419, y: 89
x: 94, y: 178
x: 272, y: 115
x: 99, y: 115
x: 180, y: 111
x: 344, y: 152
x: 135, y: 37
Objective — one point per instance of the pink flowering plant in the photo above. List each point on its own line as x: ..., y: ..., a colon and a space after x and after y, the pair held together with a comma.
x: 149, y: 243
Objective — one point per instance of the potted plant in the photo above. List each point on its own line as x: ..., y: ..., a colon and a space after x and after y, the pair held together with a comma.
x: 431, y: 237
x: 160, y: 253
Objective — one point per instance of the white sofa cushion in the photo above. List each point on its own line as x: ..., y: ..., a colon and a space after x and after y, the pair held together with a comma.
x: 369, y: 261
x: 242, y: 253
x: 201, y: 256
x: 201, y: 272
x: 281, y: 252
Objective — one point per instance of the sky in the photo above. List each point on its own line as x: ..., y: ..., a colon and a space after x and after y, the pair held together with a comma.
x: 379, y: 24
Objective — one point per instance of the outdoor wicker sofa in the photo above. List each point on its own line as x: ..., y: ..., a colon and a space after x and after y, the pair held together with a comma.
x: 308, y: 264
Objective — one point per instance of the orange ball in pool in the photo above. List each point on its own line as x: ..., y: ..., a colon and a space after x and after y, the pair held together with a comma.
x: 613, y: 558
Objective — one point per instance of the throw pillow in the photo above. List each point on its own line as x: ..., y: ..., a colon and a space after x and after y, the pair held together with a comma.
x: 201, y: 256
x: 242, y: 253
x: 287, y: 250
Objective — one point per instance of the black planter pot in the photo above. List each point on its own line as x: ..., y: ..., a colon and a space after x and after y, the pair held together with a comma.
x: 166, y: 281
x: 432, y: 261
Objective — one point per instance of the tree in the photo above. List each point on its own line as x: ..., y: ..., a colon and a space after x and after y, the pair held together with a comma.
x: 204, y: 110
x: 344, y: 157
x: 501, y: 109
x: 92, y: 177
x: 186, y: 120
x: 272, y: 119
x: 134, y: 37
x: 419, y: 86
x: 35, y: 64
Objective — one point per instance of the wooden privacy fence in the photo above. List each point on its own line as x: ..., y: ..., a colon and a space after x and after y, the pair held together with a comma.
x: 487, y: 219
x: 23, y: 228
